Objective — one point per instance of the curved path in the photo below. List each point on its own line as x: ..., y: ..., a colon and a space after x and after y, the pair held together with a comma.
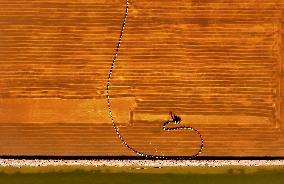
x: 164, y: 125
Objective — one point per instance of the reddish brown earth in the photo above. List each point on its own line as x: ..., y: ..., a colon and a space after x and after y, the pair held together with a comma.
x: 216, y: 63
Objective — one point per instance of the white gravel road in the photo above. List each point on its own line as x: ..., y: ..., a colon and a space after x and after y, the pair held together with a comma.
x: 150, y: 163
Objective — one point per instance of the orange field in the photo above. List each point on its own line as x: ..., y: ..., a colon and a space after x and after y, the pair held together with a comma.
x: 215, y: 63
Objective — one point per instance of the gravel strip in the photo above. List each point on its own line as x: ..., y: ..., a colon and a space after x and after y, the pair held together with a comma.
x: 146, y: 163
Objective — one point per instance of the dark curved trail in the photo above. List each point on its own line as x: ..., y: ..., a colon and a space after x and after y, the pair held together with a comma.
x: 164, y: 125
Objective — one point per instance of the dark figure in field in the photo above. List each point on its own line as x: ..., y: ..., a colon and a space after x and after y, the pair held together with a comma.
x: 175, y: 119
